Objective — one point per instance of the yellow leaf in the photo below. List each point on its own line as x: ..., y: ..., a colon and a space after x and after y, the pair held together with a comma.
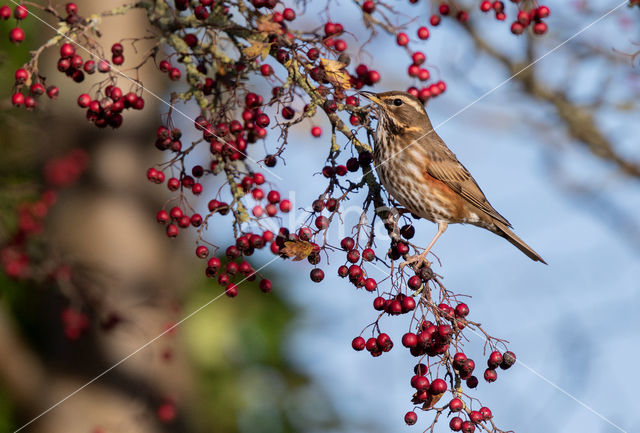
x: 332, y: 65
x: 432, y: 400
x: 297, y: 249
x: 335, y: 73
x: 265, y: 24
x: 257, y: 49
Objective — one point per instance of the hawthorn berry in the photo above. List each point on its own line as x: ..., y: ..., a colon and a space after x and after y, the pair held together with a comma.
x: 5, y: 12
x: 20, y: 12
x: 423, y: 33
x: 456, y: 423
x: 16, y: 35
x: 410, y: 418
x: 317, y: 275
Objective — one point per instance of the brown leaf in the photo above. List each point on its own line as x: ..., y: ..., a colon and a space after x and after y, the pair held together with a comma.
x: 257, y: 49
x: 335, y: 73
x: 297, y: 249
x: 432, y: 400
x: 265, y: 24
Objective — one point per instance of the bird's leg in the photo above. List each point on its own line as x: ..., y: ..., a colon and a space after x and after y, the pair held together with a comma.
x: 421, y: 258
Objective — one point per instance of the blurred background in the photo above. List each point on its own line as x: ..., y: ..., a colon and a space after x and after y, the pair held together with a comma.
x: 555, y: 150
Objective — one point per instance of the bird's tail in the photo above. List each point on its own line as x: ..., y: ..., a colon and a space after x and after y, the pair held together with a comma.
x: 504, y: 231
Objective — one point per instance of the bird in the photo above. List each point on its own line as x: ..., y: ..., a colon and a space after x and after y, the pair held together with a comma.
x: 420, y: 172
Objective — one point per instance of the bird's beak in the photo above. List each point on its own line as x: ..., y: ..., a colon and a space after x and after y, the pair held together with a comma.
x: 371, y: 96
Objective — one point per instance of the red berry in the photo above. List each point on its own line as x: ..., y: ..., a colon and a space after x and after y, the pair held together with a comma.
x: 289, y: 14
x: 313, y: 54
x: 172, y: 230
x: 370, y: 285
x: 265, y: 285
x: 434, y: 20
x: 485, y: 6
x: 456, y: 405
x: 414, y: 282
x: 368, y: 6
x: 353, y: 256
x: 402, y: 39
x: 20, y: 12
x: 490, y: 375
x: 266, y: 70
x: 347, y: 244
x: 495, y: 359
x: 468, y: 427
x: 71, y: 8
x: 202, y: 251
x: 419, y: 382
x: 5, y: 12
x: 410, y: 418
x: 423, y: 33
x: 540, y: 28
x: 372, y: 77
x: 542, y: 12
x: 285, y: 205
x: 524, y: 18
x: 461, y: 310
x: 316, y: 275
x: 340, y: 45
x: 438, y: 386
x: 456, y: 423
x: 316, y: 131
x: 16, y: 35
x: 21, y: 75
x: 322, y: 222
x: 486, y: 413
x: 408, y: 304
x: 409, y: 339
x: 37, y: 89
x: 231, y: 290
x: 52, y: 92
x: 17, y: 99
x: 358, y: 343
x: 174, y: 74
x: 475, y: 417
x: 371, y: 345
x: 517, y: 28
x: 84, y: 100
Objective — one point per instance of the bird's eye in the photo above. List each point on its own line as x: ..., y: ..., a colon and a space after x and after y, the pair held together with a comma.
x: 397, y: 102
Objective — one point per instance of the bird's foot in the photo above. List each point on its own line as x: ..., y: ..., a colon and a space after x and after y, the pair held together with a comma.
x: 418, y: 261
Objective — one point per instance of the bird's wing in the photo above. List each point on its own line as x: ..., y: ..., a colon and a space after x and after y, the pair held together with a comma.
x: 447, y: 168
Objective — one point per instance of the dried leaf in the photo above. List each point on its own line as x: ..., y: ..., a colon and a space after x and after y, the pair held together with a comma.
x: 335, y: 73
x: 257, y: 49
x: 432, y: 400
x: 265, y: 24
x: 297, y: 249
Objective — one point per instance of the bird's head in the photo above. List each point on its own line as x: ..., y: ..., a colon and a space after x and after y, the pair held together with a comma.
x: 399, y: 110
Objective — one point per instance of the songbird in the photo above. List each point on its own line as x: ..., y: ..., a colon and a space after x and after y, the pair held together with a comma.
x: 421, y: 173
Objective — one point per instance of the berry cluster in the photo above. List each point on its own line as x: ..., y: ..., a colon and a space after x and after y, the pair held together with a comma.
x: 524, y: 18
x: 16, y: 34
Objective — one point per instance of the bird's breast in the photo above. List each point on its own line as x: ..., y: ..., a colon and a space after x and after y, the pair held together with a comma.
x: 403, y: 173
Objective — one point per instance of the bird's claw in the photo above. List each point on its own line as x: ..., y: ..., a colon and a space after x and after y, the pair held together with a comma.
x: 420, y: 259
